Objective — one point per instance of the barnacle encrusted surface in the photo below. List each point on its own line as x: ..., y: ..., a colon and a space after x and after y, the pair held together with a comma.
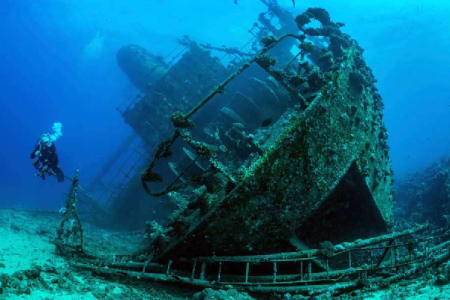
x: 324, y: 175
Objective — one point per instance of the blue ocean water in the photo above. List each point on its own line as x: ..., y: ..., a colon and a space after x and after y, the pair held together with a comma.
x: 59, y: 65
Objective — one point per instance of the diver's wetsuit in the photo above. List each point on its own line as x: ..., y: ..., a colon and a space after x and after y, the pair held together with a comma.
x: 46, y: 160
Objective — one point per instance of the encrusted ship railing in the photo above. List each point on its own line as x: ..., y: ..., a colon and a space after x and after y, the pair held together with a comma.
x: 182, y: 121
x: 369, y: 263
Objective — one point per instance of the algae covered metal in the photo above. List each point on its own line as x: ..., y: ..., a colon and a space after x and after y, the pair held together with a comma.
x: 318, y: 169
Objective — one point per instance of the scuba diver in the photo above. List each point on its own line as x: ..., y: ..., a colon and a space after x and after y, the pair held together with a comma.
x: 45, y: 157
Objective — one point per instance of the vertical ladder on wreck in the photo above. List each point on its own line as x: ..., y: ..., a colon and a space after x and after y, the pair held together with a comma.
x: 70, y: 231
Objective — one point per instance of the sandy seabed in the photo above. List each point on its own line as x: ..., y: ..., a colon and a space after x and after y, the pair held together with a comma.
x: 31, y: 269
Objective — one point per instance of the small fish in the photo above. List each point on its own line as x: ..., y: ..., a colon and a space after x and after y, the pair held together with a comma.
x: 266, y: 122
x: 293, y: 2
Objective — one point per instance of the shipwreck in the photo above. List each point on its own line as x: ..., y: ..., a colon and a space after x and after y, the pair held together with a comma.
x: 320, y: 171
x: 264, y: 162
